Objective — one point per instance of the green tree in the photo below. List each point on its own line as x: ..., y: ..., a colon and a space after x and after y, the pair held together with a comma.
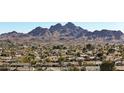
x: 12, y: 53
x: 29, y: 58
x: 107, y: 66
x: 100, y: 56
x: 111, y: 50
x: 78, y: 54
x: 80, y: 62
x: 89, y: 46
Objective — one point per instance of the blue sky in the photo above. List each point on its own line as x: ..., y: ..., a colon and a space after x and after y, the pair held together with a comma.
x: 28, y: 26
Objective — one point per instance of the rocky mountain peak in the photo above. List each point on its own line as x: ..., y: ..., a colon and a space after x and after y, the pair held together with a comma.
x: 56, y: 27
x: 70, y: 25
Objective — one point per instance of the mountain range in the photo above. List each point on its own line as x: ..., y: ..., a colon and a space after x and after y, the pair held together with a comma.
x: 69, y: 31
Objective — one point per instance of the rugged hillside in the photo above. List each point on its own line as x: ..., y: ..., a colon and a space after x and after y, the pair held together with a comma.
x: 69, y: 31
x: 105, y: 34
